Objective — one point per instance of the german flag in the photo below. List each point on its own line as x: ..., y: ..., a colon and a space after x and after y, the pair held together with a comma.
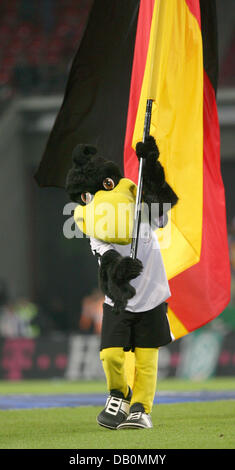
x: 165, y: 51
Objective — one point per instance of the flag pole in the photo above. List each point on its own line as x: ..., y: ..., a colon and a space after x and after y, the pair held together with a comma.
x: 137, y: 215
x: 156, y: 32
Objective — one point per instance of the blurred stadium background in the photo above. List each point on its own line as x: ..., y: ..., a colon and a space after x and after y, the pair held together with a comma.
x: 50, y: 305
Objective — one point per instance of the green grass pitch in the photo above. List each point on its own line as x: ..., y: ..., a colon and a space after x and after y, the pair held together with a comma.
x: 206, y: 425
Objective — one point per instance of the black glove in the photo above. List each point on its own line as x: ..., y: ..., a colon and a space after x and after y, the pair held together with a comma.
x: 144, y: 149
x: 116, y: 272
x: 121, y: 274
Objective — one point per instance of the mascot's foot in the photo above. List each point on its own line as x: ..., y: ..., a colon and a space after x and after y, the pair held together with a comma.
x: 116, y: 409
x: 137, y: 418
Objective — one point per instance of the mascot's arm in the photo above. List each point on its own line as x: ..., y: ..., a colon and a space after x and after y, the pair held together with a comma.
x: 115, y: 274
x: 155, y: 187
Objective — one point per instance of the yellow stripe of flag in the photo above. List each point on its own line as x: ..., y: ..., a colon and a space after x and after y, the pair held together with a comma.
x: 174, y: 79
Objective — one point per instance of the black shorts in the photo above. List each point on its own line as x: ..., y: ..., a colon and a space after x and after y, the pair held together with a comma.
x: 148, y: 329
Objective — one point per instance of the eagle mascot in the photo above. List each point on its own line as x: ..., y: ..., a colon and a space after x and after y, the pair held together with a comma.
x: 136, y: 290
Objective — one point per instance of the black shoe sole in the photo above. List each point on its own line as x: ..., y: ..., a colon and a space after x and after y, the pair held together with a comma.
x: 106, y: 426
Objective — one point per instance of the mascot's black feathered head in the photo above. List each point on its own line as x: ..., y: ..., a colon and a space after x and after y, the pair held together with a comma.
x: 89, y: 172
x: 101, y: 192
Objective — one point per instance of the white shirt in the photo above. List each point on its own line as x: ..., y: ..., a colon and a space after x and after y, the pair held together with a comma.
x: 151, y: 285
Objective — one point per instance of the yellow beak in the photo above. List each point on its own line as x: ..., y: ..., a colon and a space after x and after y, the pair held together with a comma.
x: 110, y: 215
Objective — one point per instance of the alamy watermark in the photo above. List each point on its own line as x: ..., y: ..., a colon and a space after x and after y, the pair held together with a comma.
x: 116, y: 220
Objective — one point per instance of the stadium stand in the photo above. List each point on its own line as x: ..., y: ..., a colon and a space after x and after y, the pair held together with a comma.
x: 37, y: 39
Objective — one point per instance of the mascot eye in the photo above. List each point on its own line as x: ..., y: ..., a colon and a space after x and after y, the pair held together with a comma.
x: 86, y: 197
x: 108, y: 184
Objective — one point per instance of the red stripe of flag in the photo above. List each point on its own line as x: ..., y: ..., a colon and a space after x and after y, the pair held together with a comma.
x: 140, y: 56
x: 206, y: 286
x: 194, y: 7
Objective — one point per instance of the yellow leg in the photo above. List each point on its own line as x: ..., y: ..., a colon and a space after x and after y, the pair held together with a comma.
x: 113, y: 360
x: 146, y: 360
x: 130, y: 367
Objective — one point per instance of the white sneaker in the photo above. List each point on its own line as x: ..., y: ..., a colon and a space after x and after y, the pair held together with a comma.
x: 116, y: 409
x: 137, y: 418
